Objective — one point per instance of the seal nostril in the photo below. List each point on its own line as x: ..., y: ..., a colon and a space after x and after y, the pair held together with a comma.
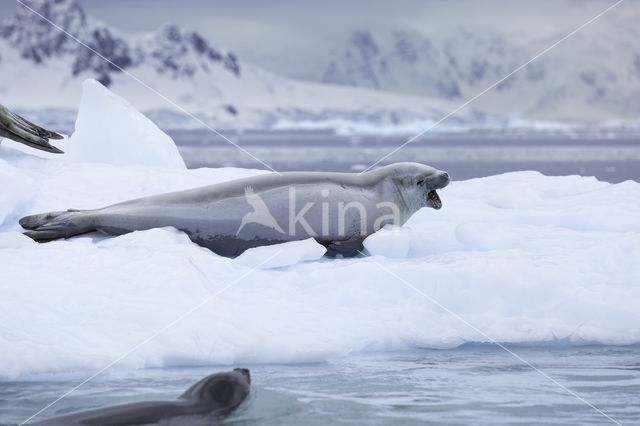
x: 444, y: 178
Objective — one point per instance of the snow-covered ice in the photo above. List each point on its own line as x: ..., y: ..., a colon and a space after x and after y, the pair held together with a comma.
x: 110, y: 130
x: 523, y: 257
x: 281, y: 255
x: 390, y: 241
x: 14, y: 240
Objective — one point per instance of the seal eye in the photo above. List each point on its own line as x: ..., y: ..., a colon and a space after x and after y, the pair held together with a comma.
x: 420, y: 182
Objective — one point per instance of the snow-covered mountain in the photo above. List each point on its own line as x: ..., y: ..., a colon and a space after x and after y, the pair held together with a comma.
x: 387, y: 79
x: 42, y: 69
x: 595, y: 75
x: 170, y: 50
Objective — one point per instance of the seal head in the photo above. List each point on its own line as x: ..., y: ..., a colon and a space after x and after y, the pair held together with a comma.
x: 226, y: 390
x: 416, y: 184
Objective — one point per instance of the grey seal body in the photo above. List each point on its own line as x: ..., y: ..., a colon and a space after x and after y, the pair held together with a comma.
x: 19, y: 129
x: 339, y: 210
x: 214, y: 396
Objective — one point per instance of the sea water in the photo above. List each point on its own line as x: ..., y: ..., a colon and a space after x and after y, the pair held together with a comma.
x: 470, y: 385
x: 465, y: 155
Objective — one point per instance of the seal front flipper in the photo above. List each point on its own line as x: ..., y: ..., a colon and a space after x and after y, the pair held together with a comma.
x: 54, y: 225
x: 350, y: 247
x: 21, y: 130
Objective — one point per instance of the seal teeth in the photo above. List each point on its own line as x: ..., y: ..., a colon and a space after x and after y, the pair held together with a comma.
x: 435, y: 199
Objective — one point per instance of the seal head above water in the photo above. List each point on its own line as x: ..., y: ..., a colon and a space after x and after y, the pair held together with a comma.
x: 212, y: 397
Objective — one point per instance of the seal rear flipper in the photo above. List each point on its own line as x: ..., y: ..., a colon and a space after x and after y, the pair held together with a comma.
x: 19, y: 129
x: 55, y: 225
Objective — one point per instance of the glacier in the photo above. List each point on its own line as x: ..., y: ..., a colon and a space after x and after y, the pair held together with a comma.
x: 523, y: 257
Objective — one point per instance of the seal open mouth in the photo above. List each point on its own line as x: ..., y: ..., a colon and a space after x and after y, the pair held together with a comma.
x: 435, y: 199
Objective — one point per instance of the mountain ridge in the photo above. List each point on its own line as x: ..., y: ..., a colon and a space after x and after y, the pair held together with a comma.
x: 181, y: 70
x: 169, y: 47
x: 588, y: 77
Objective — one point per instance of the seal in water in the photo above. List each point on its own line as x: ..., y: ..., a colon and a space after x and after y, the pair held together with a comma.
x: 214, y: 396
x: 339, y: 210
x: 18, y: 129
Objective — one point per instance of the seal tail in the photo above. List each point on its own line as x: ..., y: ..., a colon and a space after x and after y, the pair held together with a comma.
x: 53, y: 225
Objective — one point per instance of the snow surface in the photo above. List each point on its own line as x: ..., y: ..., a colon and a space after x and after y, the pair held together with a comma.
x: 280, y: 255
x: 522, y: 256
x: 390, y: 241
x: 525, y: 258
